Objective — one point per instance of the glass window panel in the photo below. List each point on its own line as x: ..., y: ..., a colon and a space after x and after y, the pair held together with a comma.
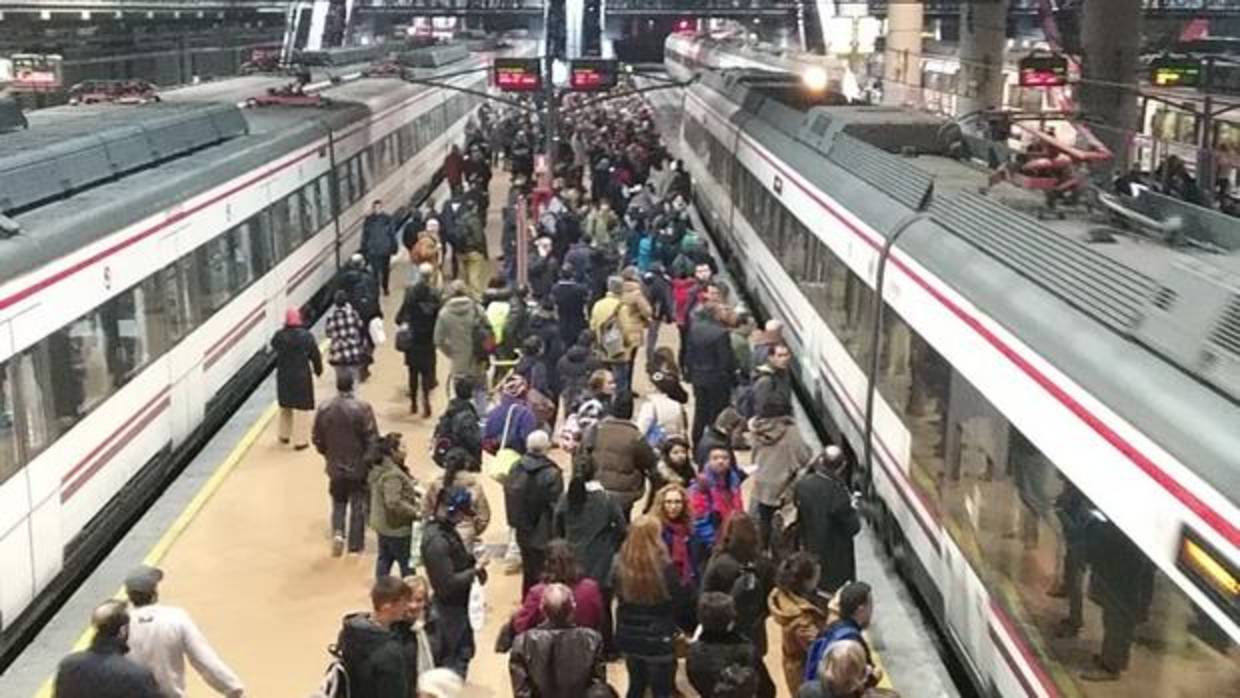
x: 213, y: 267
x: 326, y: 205
x: 123, y: 320
x: 310, y: 206
x: 39, y: 421
x: 285, y: 239
x: 10, y: 457
x: 82, y: 377
x: 344, y: 181
x: 240, y: 260
x: 293, y: 220
x: 260, y: 244
x: 165, y: 308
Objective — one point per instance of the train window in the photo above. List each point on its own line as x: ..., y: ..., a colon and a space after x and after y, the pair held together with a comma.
x: 173, y: 295
x: 344, y: 183
x: 213, y: 264
x: 361, y: 178
x: 327, y: 205
x: 241, y: 256
x: 310, y: 210
x: 37, y: 421
x: 293, y: 219
x: 255, y: 230
x: 10, y: 457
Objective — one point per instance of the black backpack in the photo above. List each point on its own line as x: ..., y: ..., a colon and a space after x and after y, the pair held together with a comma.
x: 523, y: 499
x: 447, y: 435
x: 749, y: 597
x: 335, y: 683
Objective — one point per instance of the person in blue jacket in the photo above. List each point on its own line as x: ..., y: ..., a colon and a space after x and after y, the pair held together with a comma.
x: 856, y: 603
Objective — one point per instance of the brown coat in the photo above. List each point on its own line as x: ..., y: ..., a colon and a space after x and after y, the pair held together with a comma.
x: 635, y: 314
x: 471, y: 527
x: 344, y: 428
x: 622, y: 457
x: 553, y: 662
x: 802, y: 620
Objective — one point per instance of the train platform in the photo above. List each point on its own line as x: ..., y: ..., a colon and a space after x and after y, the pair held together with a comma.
x: 243, y: 538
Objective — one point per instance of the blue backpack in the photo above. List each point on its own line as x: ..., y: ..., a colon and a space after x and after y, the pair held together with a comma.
x: 839, y: 630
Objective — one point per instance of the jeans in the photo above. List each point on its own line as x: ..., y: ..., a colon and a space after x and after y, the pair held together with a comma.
x: 351, y: 497
x: 658, y: 676
x: 393, y: 549
x: 652, y: 341
x: 622, y: 371
x: 766, y: 517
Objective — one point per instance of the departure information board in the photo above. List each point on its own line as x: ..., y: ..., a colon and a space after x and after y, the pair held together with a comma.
x: 517, y: 74
x: 593, y: 75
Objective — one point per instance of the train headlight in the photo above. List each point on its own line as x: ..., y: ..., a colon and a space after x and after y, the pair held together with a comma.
x: 815, y: 78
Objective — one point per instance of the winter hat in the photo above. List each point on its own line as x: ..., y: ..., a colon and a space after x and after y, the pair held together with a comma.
x: 292, y: 317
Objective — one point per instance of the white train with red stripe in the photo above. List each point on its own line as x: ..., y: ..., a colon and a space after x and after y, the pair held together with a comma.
x: 135, y: 312
x: 1027, y: 431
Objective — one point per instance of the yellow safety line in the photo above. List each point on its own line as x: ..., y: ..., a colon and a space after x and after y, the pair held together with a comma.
x: 182, y: 522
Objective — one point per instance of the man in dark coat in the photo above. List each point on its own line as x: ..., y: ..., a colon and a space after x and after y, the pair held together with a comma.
x: 772, y: 384
x: 719, y: 645
x: 710, y: 366
x: 571, y: 299
x: 379, y: 243
x: 624, y: 460
x: 556, y: 659
x: 417, y: 316
x: 530, y: 495
x: 827, y: 521
x: 372, y: 654
x: 297, y: 354
x: 452, y: 570
x: 102, y: 670
x: 344, y: 429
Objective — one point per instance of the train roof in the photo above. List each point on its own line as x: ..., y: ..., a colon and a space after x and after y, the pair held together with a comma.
x: 1047, y: 282
x: 53, y: 230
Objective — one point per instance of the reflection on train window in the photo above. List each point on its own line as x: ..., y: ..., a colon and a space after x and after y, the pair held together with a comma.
x: 1072, y: 582
x: 172, y: 295
x: 326, y: 208
x: 10, y: 458
x: 255, y: 231
x: 38, y: 416
x: 284, y: 235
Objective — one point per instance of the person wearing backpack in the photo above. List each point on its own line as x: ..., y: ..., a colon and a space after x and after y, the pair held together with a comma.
x: 457, y: 329
x: 458, y: 427
x: 609, y: 338
x: 531, y: 493
x: 371, y: 653
x: 738, y: 568
x: 772, y: 384
x: 459, y: 472
x: 856, y: 604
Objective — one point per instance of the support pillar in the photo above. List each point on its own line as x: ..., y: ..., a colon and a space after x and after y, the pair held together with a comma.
x: 983, y: 40
x: 902, y: 57
x: 1111, y: 43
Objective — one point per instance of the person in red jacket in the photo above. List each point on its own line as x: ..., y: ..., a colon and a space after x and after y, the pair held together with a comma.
x: 561, y: 567
x: 715, y: 496
x: 454, y: 168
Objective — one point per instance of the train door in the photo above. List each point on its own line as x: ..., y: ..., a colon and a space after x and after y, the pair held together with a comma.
x: 16, y: 584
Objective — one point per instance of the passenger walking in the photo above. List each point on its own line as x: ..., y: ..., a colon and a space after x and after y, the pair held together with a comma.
x: 739, y: 568
x: 661, y: 415
x: 394, y: 504
x: 416, y: 320
x: 719, y: 647
x: 856, y: 602
x: 827, y: 519
x: 650, y: 598
x: 573, y: 372
x: 592, y: 523
x: 779, y: 456
x: 459, y: 427
x: 452, y: 571
x: 561, y: 567
x: 472, y: 246
x: 362, y: 290
x: 371, y: 652
x: 297, y: 356
x: 459, y: 326
x: 458, y: 472
x: 344, y: 429
x: 572, y: 298
x: 624, y: 460
x: 162, y: 638
x: 512, y: 420
x: 379, y: 243
x: 801, y: 611
x: 710, y: 367
x: 347, y: 351
x: 558, y: 658
x: 531, y: 492
x: 102, y: 670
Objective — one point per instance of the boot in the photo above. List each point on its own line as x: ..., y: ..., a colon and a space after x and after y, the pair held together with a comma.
x: 426, y: 404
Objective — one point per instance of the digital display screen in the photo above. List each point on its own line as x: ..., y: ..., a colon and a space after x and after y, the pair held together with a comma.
x: 1175, y: 72
x: 592, y: 75
x: 1043, y: 71
x: 1214, y: 574
x: 517, y: 74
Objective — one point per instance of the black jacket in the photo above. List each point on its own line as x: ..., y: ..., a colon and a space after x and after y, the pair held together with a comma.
x: 659, y: 292
x: 419, y: 313
x: 712, y: 653
x: 709, y: 359
x: 646, y: 630
x: 374, y: 658
x: 449, y: 565
x: 296, y: 355
x: 460, y: 420
x: 362, y: 289
x: 772, y: 392
x: 378, y: 235
x: 530, y: 495
x: 826, y: 525
x: 103, y: 671
x: 571, y: 299
x: 573, y: 372
x: 595, y: 532
x: 543, y: 272
x: 722, y: 573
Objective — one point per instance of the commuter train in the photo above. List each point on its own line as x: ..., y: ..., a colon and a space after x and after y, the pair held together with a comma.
x: 1048, y: 445
x: 136, y: 306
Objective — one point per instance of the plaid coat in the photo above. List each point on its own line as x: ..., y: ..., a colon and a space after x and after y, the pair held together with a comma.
x: 345, y: 330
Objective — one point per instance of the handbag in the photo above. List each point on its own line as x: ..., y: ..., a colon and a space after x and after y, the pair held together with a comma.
x: 505, y: 458
x: 404, y: 339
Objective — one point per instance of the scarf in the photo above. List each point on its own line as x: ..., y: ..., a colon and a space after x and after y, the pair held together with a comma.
x: 676, y: 534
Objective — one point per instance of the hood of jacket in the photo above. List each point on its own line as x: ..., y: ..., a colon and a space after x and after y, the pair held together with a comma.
x: 532, y: 463
x: 767, y: 431
x: 361, y: 636
x: 461, y: 306
x: 786, y: 608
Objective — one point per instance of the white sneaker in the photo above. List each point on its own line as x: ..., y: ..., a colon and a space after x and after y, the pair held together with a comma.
x: 337, y: 546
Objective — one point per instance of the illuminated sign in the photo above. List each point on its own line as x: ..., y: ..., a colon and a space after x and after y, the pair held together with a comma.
x: 1043, y: 71
x: 517, y: 74
x: 592, y: 75
x: 1166, y: 71
x: 1214, y: 574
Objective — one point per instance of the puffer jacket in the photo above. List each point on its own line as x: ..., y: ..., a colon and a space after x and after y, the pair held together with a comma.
x: 374, y: 658
x: 344, y: 427
x: 556, y: 662
x: 622, y: 457
x: 801, y: 619
x: 394, y: 503
x: 454, y: 335
x: 714, y: 651
x: 779, y: 453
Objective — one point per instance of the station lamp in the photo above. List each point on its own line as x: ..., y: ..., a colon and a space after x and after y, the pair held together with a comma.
x: 814, y: 78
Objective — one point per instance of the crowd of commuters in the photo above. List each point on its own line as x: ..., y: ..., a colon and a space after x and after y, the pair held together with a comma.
x: 638, y: 545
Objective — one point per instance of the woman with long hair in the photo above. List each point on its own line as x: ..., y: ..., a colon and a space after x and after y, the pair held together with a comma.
x: 671, y: 508
x: 675, y: 465
x: 561, y: 567
x: 651, y: 598
x: 594, y: 527
x: 738, y: 567
x: 457, y: 472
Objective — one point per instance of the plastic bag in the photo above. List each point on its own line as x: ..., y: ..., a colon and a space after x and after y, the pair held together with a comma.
x: 415, y: 546
x: 477, y: 607
x: 377, y: 335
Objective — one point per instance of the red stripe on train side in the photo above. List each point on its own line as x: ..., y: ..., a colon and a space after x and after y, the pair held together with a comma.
x: 116, y: 447
x: 104, y: 443
x: 233, y: 336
